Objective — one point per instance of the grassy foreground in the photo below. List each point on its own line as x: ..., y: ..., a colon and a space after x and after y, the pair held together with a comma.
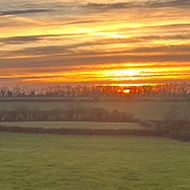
x: 48, y: 162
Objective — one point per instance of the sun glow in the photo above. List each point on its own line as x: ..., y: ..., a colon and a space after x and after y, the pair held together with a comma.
x: 126, y: 85
x: 110, y: 35
x: 122, y: 73
x: 123, y: 91
x: 126, y: 91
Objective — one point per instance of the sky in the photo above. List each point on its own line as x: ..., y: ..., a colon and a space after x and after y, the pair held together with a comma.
x: 46, y: 42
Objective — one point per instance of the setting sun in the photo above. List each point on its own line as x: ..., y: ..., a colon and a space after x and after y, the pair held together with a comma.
x: 126, y: 91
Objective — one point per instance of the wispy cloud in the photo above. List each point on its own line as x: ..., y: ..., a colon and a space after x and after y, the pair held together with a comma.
x: 136, y: 4
x: 25, y: 39
x: 46, y: 38
x: 28, y: 11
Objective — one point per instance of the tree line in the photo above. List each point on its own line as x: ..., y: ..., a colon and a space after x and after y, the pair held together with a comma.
x: 72, y: 114
x: 175, y: 123
x: 164, y: 90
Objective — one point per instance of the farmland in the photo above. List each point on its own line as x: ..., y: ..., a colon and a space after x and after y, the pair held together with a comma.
x: 80, y: 125
x: 74, y: 162
x: 140, y: 109
x: 92, y: 162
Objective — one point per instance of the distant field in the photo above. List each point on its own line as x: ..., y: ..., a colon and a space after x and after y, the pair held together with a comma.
x: 92, y: 162
x: 83, y: 125
x: 146, y: 110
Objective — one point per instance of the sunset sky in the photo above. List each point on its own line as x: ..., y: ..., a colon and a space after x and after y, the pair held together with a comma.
x: 94, y: 42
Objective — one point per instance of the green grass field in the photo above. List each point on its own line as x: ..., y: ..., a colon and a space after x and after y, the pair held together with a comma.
x: 81, y: 125
x: 53, y: 162
x: 146, y: 110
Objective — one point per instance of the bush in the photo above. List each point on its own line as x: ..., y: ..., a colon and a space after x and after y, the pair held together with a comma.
x: 177, y: 124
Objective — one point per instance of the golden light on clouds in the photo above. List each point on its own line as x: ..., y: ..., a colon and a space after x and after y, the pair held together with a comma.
x: 110, y: 35
x: 138, y: 42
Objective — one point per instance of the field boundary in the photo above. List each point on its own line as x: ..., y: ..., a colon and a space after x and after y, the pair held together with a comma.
x: 82, y: 131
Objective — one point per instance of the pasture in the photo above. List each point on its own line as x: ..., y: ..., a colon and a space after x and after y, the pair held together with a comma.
x: 30, y: 161
x: 145, y: 109
x: 79, y: 125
